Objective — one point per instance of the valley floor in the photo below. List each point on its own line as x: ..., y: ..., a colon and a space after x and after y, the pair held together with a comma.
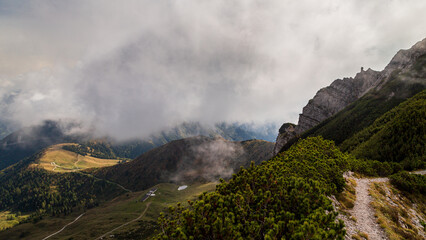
x: 125, y: 217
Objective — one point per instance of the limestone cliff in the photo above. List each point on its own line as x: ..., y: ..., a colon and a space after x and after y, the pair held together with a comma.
x: 342, y: 92
x: 286, y: 132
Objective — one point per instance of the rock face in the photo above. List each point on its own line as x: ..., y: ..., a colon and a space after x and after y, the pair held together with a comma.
x: 342, y: 92
x: 286, y: 132
x: 330, y: 100
x: 404, y: 59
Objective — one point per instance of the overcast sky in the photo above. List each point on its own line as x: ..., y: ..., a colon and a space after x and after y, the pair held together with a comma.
x: 134, y: 67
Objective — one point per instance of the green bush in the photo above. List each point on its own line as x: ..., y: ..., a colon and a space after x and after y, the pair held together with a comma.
x: 411, y: 183
x: 284, y: 197
x: 374, y: 168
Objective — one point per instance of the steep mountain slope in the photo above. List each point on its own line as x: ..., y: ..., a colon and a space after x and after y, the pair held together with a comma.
x: 347, y: 106
x: 187, y: 160
x: 397, y: 136
x: 367, y: 109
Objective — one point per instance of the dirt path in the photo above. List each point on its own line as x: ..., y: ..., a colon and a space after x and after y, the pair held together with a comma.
x: 59, y: 166
x: 54, y: 165
x: 64, y: 227
x: 118, y: 185
x: 78, y: 160
x: 421, y: 172
x: 127, y: 223
x: 363, y: 211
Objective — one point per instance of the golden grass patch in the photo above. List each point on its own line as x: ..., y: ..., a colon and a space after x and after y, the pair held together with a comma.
x: 59, y: 160
x: 9, y: 219
x: 348, y: 196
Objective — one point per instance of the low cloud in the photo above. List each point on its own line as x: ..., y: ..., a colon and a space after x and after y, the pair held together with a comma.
x: 134, y: 68
x: 209, y: 161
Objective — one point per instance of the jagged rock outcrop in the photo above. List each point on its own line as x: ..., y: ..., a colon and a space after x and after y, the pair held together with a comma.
x: 404, y: 59
x: 342, y: 92
x: 330, y: 100
x: 287, y: 131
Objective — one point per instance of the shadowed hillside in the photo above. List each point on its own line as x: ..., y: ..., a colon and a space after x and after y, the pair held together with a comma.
x: 397, y: 136
x: 187, y: 160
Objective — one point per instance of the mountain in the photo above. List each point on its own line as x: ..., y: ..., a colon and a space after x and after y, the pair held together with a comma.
x: 275, y: 197
x: 108, y: 148
x: 377, y: 122
x: 361, y: 99
x: 187, y: 160
x: 34, y: 188
x: 27, y: 141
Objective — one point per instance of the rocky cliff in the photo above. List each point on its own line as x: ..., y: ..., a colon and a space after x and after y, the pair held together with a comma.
x: 342, y: 92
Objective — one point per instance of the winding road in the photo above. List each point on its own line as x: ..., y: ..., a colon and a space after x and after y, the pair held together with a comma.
x: 64, y: 227
x: 118, y: 185
x: 127, y: 223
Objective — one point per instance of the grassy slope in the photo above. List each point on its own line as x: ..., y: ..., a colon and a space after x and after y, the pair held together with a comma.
x: 400, y: 214
x: 399, y: 135
x: 69, y: 161
x: 9, y: 219
x: 109, y: 215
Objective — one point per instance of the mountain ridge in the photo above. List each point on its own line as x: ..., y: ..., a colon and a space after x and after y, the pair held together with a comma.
x: 28, y: 141
x: 330, y: 100
x: 187, y: 160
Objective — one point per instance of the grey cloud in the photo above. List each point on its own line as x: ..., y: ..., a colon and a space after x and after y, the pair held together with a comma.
x: 133, y: 68
x: 209, y: 161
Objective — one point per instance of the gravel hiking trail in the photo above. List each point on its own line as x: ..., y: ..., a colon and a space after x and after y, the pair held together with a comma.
x: 363, y: 211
